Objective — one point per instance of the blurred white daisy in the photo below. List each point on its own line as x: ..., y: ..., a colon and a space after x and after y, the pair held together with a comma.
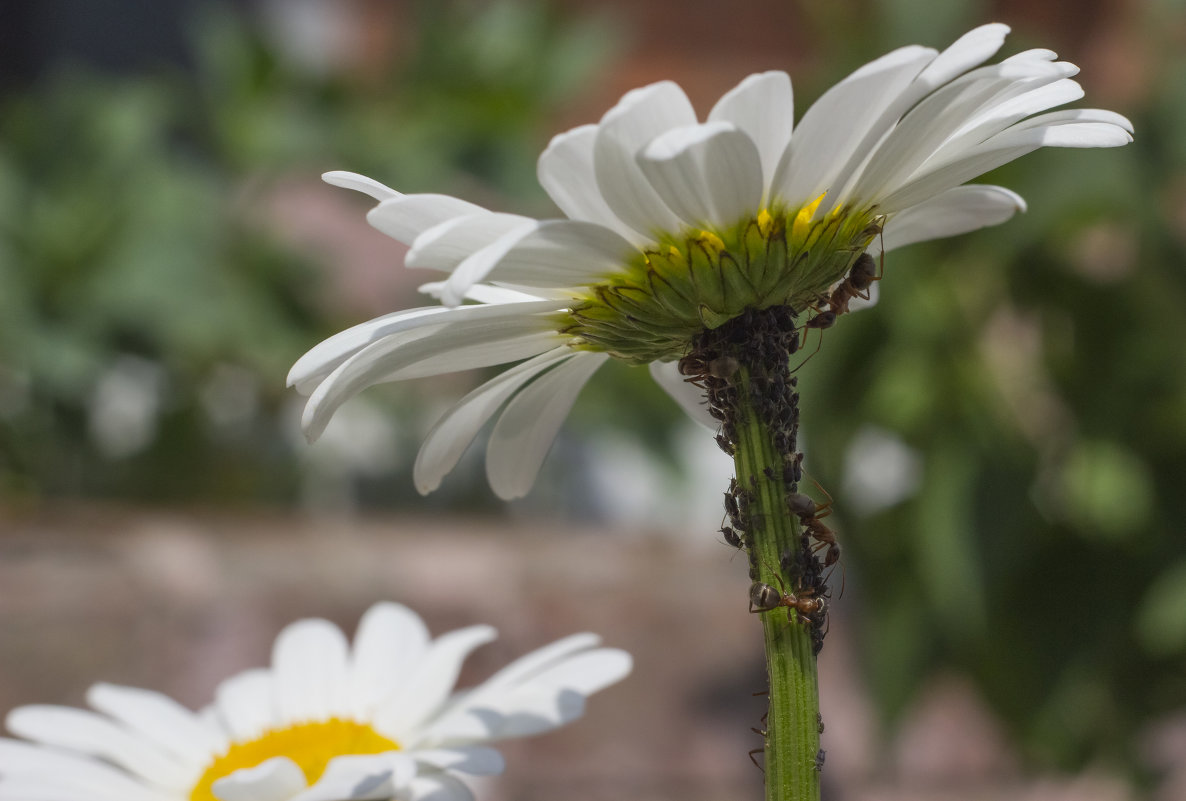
x: 675, y: 226
x: 325, y: 723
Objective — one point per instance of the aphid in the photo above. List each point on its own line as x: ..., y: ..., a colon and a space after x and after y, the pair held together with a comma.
x: 819, y: 722
x: 732, y: 537
x: 725, y: 445
x: 820, y: 755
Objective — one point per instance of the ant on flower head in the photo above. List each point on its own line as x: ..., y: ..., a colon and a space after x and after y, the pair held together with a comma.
x: 864, y: 272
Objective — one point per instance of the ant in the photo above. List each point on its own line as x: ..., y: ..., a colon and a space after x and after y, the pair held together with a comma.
x: 862, y: 275
x: 856, y: 284
x: 764, y: 598
x: 697, y: 368
x: 810, y: 513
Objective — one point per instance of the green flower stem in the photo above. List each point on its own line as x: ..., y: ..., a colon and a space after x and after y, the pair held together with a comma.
x: 792, y: 725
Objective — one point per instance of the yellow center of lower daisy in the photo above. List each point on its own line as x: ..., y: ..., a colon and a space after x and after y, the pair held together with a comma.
x: 310, y: 745
x: 699, y: 279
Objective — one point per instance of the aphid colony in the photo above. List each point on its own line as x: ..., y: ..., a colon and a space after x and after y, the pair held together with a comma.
x: 760, y: 343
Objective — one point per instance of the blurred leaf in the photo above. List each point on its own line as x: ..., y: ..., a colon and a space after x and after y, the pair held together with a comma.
x: 1161, y: 623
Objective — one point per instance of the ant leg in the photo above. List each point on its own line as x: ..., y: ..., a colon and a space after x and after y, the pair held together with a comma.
x: 817, y: 347
x: 828, y: 505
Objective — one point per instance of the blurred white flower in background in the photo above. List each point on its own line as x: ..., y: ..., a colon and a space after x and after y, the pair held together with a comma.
x: 880, y: 471
x: 326, y: 722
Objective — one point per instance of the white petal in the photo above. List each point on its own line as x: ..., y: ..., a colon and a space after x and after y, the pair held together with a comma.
x: 160, y: 720
x: 482, y: 293
x: 551, y: 696
x: 527, y: 711
x: 47, y: 767
x: 832, y: 128
x: 453, y: 433
x: 566, y: 173
x: 924, y: 133
x: 640, y: 116
x: 438, y: 787
x: 587, y: 672
x: 1081, y: 134
x: 309, y: 662
x: 407, y: 709
x: 324, y: 357
x: 474, y: 760
x: 548, y: 253
x: 391, y: 640
x: 543, y: 690
x: 1077, y: 115
x: 998, y: 116
x: 363, y: 777
x: 462, y: 338
x: 525, y: 430
x: 446, y: 245
x: 690, y: 397
x: 523, y: 668
x: 275, y: 779
x: 1001, y: 149
x: 956, y: 211
x: 973, y: 48
x: 405, y: 217
x: 244, y: 704
x: 763, y: 106
x: 1036, y: 54
x: 37, y: 789
x: 88, y: 733
x: 708, y: 174
x: 360, y: 183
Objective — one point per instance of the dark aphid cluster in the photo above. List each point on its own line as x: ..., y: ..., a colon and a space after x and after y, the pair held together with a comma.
x: 761, y: 342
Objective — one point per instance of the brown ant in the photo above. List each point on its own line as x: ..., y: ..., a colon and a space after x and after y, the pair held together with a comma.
x: 697, y: 368
x: 764, y: 598
x: 856, y: 284
x: 810, y: 513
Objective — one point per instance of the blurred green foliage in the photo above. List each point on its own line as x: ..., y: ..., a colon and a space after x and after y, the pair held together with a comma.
x: 1037, y: 371
x: 145, y: 295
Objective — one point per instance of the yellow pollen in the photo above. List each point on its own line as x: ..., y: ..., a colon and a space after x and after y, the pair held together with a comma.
x: 310, y: 745
x: 711, y: 241
x: 802, y: 223
x: 765, y: 222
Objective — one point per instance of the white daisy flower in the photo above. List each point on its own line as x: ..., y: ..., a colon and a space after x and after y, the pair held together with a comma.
x: 675, y: 226
x: 325, y: 723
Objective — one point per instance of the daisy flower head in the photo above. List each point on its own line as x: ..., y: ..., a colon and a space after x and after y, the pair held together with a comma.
x: 326, y: 722
x: 674, y: 226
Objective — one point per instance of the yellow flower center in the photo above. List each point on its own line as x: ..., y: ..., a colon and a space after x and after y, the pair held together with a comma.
x: 310, y: 745
x: 695, y: 279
